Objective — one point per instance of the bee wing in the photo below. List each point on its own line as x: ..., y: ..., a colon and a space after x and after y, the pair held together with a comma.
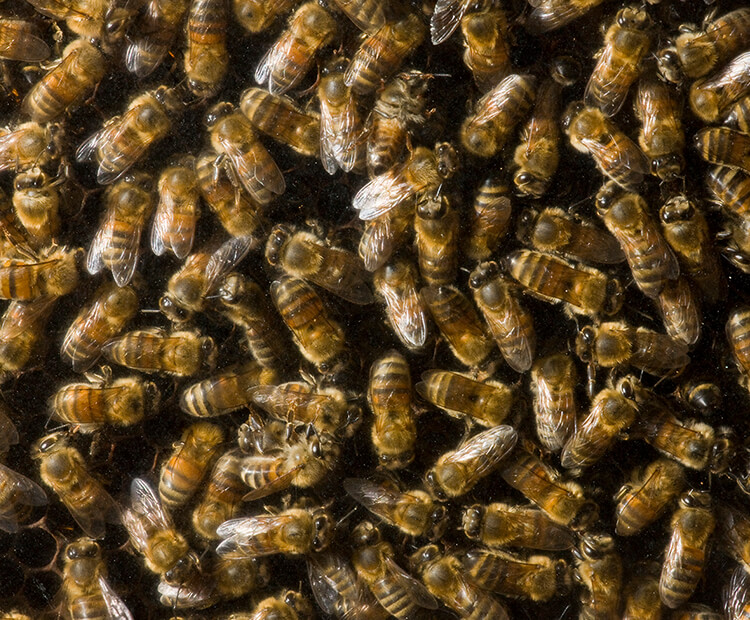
x: 510, y: 327
x: 116, y: 609
x: 341, y: 273
x: 145, y: 503
x: 484, y: 450
x: 8, y: 432
x: 340, y: 140
x: 417, y: 592
x: 376, y: 498
x: 736, y: 594
x: 62, y: 9
x: 30, y: 313
x: 21, y: 490
x: 623, y: 152
x: 227, y: 257
x: 93, y: 522
x: 252, y: 173
x: 182, y: 596
x: 276, y: 401
x: 491, y: 104
x: 550, y: 15
x: 736, y: 72
x: 555, y: 414
x: 242, y: 532
x: 273, y: 61
x: 445, y: 18
x: 383, y: 193
x: 145, y: 52
x: 407, y: 314
x: 377, y: 245
x: 102, y: 239
x: 650, y: 111
x: 123, y: 262
x: 327, y: 590
x: 17, y: 42
x: 658, y: 352
x: 608, y: 93
x: 283, y: 482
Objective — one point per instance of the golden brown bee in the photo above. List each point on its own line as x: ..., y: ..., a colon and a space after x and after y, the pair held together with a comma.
x: 90, y: 19
x: 724, y: 146
x: 738, y: 335
x: 553, y: 381
x: 383, y: 235
x: 487, y: 53
x: 18, y: 496
x: 288, y: 605
x: 489, y: 219
x: 104, y: 318
x: 152, y: 34
x: 616, y: 155
x: 35, y: 202
x: 52, y: 272
x: 599, y: 570
x: 446, y: 17
x: 692, y: 525
x: 63, y: 469
x: 257, y: 15
x: 176, y: 217
x: 246, y: 160
x: 496, y: 115
x: 500, y: 525
x: 318, y: 336
x: 736, y: 596
x: 88, y: 595
x: 583, y: 290
x: 711, y: 97
x: 458, y: 471
x: 487, y: 404
x: 395, y: 589
x: 19, y: 40
x: 116, y: 244
x: 206, y: 56
x: 651, y: 489
x: 626, y: 215
x: 27, y: 145
x: 81, y: 67
x: 294, y: 531
x: 661, y: 136
x: 179, y: 353
x: 436, y: 230
x: 23, y: 335
x: 626, y: 43
x: 280, y: 118
x: 680, y: 311
x: 458, y: 323
x: 389, y: 395
x: 310, y: 29
x: 642, y: 600
x: 553, y: 14
x: 396, y: 283
x: 124, y: 140
x: 738, y: 115
x: 222, y: 494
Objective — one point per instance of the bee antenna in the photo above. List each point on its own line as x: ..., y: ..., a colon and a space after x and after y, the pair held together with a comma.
x: 150, y: 310
x: 346, y: 516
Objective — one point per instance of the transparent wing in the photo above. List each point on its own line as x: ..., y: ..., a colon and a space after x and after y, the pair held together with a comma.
x: 417, y: 592
x: 8, y: 432
x: 145, y: 503
x: 381, y: 194
x: 489, y: 106
x: 376, y: 19
x: 227, y: 257
x: 23, y: 491
x: 116, y: 609
x: 255, y: 168
x: 484, y: 450
x: 407, y: 315
x: 376, y: 498
x: 17, y: 42
x: 445, y: 18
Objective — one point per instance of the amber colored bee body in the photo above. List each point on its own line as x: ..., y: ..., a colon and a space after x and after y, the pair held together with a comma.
x: 738, y: 115
x: 553, y: 381
x: 19, y: 40
x: 287, y: 605
x: 222, y: 495
x: 680, y: 311
x: 731, y: 188
x: 177, y: 212
x: 487, y: 53
x: 396, y: 283
x: 599, y: 570
x: 436, y: 230
x: 51, y: 273
x: 18, y: 496
x: 257, y: 15
x: 550, y: 15
x: 36, y: 202
x: 738, y: 335
x: 206, y: 56
x: 700, y: 395
x: 642, y: 600
x: 154, y: 32
x: 711, y: 97
x: 382, y: 236
x: 724, y: 146
x: 23, y: 333
x: 489, y: 219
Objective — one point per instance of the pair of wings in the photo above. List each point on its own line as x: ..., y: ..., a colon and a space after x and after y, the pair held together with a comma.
x: 121, y: 257
x: 18, y: 42
x: 145, y: 515
x: 174, y: 224
x: 406, y: 312
x: 146, y: 49
x: 248, y: 536
x: 482, y: 452
x: 342, y: 138
x: 513, y: 331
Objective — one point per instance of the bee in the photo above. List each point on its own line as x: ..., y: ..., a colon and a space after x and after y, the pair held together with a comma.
x: 104, y: 318
x: 80, y: 69
x: 616, y: 155
x: 87, y: 593
x: 206, y: 59
x: 692, y: 525
x: 651, y: 489
x: 446, y: 17
x: 396, y: 283
x: 501, y: 525
x: 389, y: 394
x: 583, y: 290
x: 63, y: 469
x: 281, y: 119
x: 179, y: 353
x: 116, y: 244
x: 103, y: 400
x: 310, y: 29
x: 105, y: 22
x: 124, y: 140
x: 738, y: 332
x: 288, y: 605
x: 550, y: 15
x: 28, y: 145
x: 486, y: 38
x: 319, y: 338
x: 19, y: 41
x: 395, y: 589
x: 380, y: 55
x: 626, y: 43
x: 700, y: 395
x: 18, y: 496
x: 399, y: 108
x: 222, y: 495
x: 177, y: 213
x: 436, y: 228
x: 257, y: 15
x: 23, y: 337
x: 553, y: 381
x: 661, y: 136
x: 301, y: 254
x: 487, y: 404
x: 246, y: 160
x: 538, y: 577
x: 496, y: 115
x: 152, y: 35
x: 458, y: 471
x: 36, y: 202
x: 599, y: 570
x: 383, y: 235
x: 724, y: 146
x: 738, y: 115
x: 680, y: 311
x: 52, y: 272
x: 642, y: 600
x: 489, y: 219
x: 294, y: 531
x: 711, y: 97
x: 736, y: 595
x: 199, y: 276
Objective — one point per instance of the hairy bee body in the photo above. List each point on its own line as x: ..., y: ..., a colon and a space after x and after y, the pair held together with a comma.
x: 725, y: 147
x: 53, y: 273
x: 206, y: 55
x: 553, y: 380
x: 487, y: 53
x: 22, y: 333
x: 257, y: 15
x: 436, y: 228
x: 489, y: 219
x: 18, y: 497
x: 711, y: 97
x: 599, y: 569
x: 222, y: 495
x: 738, y: 335
x: 396, y: 283
x: 36, y: 203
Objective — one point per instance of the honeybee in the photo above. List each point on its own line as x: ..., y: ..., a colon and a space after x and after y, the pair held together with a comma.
x: 642, y: 600
x: 710, y: 97
x: 692, y: 525
x: 23, y: 337
x: 206, y: 56
x: 19, y: 41
x: 616, y: 155
x: 680, y: 311
x: 738, y: 115
x: 736, y: 594
x: 104, y: 21
x: 103, y: 400
x: 18, y: 496
x: 63, y: 469
x: 496, y: 115
x: 487, y: 404
x: 599, y: 570
x: 124, y: 140
x: 487, y: 53
x: 248, y: 162
x: 257, y: 15
x: 222, y: 495
x: 389, y: 395
x: 28, y: 145
x: 116, y: 245
x: 179, y: 353
x: 310, y: 29
x: 489, y: 219
x: 381, y: 54
x: 152, y: 35
x: 700, y: 395
x: 396, y: 283
x: 288, y: 605
x: 642, y: 501
x: 383, y: 235
x: 80, y: 68
x: 104, y: 318
x: 550, y: 15
x: 501, y: 525
x: 87, y: 593
x: 281, y: 119
x: 318, y: 336
x: 199, y: 276
x: 553, y: 381
x: 458, y: 471
x: 626, y: 43
x: 35, y: 202
x: 737, y: 328
x: 436, y: 228
x: 52, y: 272
x: 176, y: 217
x: 724, y: 146
x: 294, y: 531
